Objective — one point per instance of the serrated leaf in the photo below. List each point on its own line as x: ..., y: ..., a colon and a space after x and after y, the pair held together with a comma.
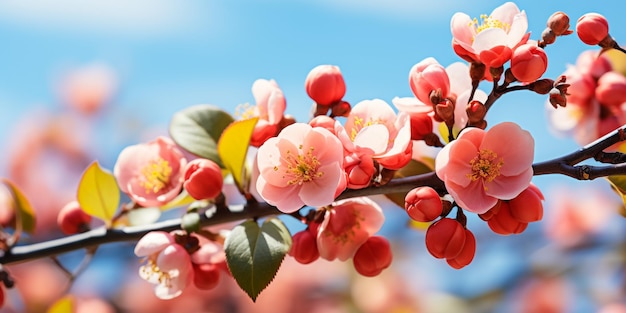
x: 25, y: 215
x: 98, y: 193
x: 618, y: 183
x: 63, y: 305
x: 233, y: 147
x: 254, y: 253
x: 413, y: 168
x: 197, y: 129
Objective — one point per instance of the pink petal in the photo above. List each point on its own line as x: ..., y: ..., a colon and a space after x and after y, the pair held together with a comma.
x: 285, y: 198
x: 505, y: 13
x: 462, y: 30
x: 518, y: 29
x: 460, y: 81
x: 471, y: 197
x: 272, y: 163
x: 489, y: 38
x: 261, y: 90
x: 153, y: 242
x: 209, y: 252
x: 276, y: 105
x: 514, y: 145
x: 374, y: 137
x: 411, y: 105
x: 324, y: 145
x: 458, y: 167
x: 321, y: 190
x: 509, y: 187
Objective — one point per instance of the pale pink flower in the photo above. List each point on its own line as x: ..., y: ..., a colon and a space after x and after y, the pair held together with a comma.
x: 151, y: 173
x: 303, y: 165
x: 89, y: 88
x: 480, y: 167
x: 270, y: 108
x: 477, y: 40
x: 346, y: 226
x: 168, y: 265
x: 374, y: 129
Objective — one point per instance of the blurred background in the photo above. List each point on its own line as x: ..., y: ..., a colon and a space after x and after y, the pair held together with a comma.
x: 80, y: 80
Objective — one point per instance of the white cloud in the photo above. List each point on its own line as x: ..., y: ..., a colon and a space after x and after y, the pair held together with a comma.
x: 119, y: 17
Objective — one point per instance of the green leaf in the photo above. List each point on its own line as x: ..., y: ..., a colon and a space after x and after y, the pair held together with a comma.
x: 255, y: 253
x: 98, y: 193
x: 197, y: 129
x: 25, y: 215
x: 618, y: 183
x: 233, y: 147
x: 413, y: 168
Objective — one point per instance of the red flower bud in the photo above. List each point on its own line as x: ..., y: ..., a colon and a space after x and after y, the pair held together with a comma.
x: 559, y: 24
x: 373, y: 256
x: 611, y: 89
x: 325, y: 84
x: 421, y: 125
x: 445, y: 238
x: 72, y: 219
x: 527, y: 206
x: 504, y: 223
x: 592, y: 28
x: 304, y: 247
x: 203, y: 179
x: 423, y: 204
x: 466, y: 255
x: 206, y: 276
x: 528, y: 63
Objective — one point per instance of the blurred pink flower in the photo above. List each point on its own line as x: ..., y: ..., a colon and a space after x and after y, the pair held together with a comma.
x: 346, y: 226
x: 151, y: 173
x: 594, y: 103
x: 303, y: 165
x: 270, y: 107
x: 168, y: 265
x: 89, y: 88
x: 481, y: 40
x: 480, y: 167
x: 374, y: 130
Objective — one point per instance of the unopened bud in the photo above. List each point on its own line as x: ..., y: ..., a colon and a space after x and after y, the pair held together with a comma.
x: 558, y: 22
x: 325, y: 84
x: 548, y: 36
x: 542, y: 86
x: 476, y: 111
x: 445, y: 111
x: 557, y: 98
x: 496, y: 72
x: 72, y: 219
x: 477, y: 71
x: 592, y: 28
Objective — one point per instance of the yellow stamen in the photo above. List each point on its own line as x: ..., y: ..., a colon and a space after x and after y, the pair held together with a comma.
x: 245, y: 111
x: 486, y: 166
x: 302, y: 167
x: 359, y: 124
x: 486, y: 22
x: 156, y: 175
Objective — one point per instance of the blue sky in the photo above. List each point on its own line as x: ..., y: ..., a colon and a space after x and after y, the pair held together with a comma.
x: 173, y: 54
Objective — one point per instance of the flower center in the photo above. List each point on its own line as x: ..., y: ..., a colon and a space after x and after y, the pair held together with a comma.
x: 153, y: 274
x: 486, y: 22
x: 246, y: 111
x: 486, y: 166
x: 156, y: 175
x: 301, y: 167
x: 342, y: 226
x: 360, y: 123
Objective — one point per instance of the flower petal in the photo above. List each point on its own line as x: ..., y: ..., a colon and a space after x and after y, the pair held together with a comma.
x: 321, y: 190
x: 509, y: 187
x: 153, y: 242
x: 517, y: 157
x: 374, y: 137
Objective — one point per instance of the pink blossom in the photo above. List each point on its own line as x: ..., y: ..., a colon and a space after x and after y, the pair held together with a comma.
x: 593, y: 109
x: 478, y: 39
x: 168, y: 265
x: 346, y: 226
x: 528, y: 63
x: 89, y: 88
x: 373, y: 129
x: 270, y: 107
x: 303, y: 165
x: 480, y: 167
x: 151, y: 173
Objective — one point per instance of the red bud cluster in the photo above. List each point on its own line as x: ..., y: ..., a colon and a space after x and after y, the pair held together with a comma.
x: 448, y: 239
x: 512, y: 216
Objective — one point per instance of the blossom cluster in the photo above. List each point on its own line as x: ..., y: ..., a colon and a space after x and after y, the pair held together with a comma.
x: 477, y: 169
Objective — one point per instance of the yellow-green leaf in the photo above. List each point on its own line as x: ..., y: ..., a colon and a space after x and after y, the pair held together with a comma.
x: 98, y: 193
x: 233, y: 147
x: 181, y: 200
x: 63, y: 305
x: 25, y: 215
x: 618, y: 183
